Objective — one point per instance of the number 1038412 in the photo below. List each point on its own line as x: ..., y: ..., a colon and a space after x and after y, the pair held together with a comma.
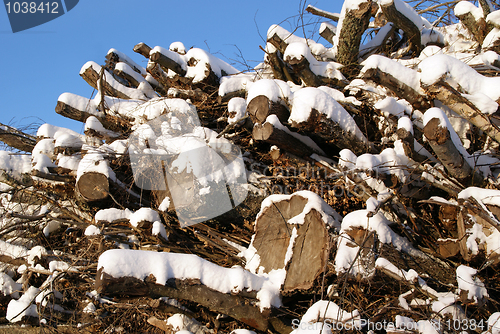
x: 32, y: 7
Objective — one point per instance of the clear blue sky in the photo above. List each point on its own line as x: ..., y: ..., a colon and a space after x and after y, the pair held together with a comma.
x: 39, y: 64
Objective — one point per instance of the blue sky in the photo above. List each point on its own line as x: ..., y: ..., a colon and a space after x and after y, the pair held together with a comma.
x: 39, y: 64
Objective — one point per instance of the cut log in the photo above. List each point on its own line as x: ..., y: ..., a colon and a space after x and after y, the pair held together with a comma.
x: 142, y: 49
x: 316, y: 11
x: 403, y: 22
x: 320, y: 125
x: 92, y: 73
x: 113, y: 57
x: 439, y: 138
x: 167, y: 63
x: 260, y: 107
x: 354, y: 24
x: 302, y: 69
x: 327, y: 31
x: 279, y: 68
x: 192, y: 94
x: 110, y: 122
x: 93, y: 186
x: 402, y: 90
x: 285, y: 140
x: 238, y: 307
x: 17, y: 139
x: 463, y: 107
x: 478, y: 28
x: 307, y: 240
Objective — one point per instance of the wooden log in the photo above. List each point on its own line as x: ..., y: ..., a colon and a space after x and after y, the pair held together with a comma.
x: 402, y: 90
x: 439, y: 139
x: 167, y: 63
x: 401, y: 21
x: 279, y: 68
x: 327, y: 31
x: 142, y: 49
x: 93, y: 186
x: 478, y: 28
x: 260, y: 107
x: 192, y: 94
x: 302, y: 69
x: 17, y: 139
x: 110, y: 86
x: 270, y: 134
x: 463, y: 107
x: 354, y: 24
x: 322, y: 128
x: 113, y: 123
x: 238, y: 307
x: 274, y: 233
x: 316, y: 11
x: 113, y: 57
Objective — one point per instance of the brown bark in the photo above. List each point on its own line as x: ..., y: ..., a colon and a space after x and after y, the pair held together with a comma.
x: 303, y: 71
x: 274, y: 136
x: 439, y: 139
x: 316, y: 11
x: 192, y: 94
x: 238, y: 307
x: 92, y: 78
x: 167, y: 63
x: 354, y: 24
x: 260, y: 107
x: 113, y: 123
x: 142, y: 49
x: 463, y: 107
x: 402, y: 90
x: 17, y: 139
x: 479, y: 29
x: 159, y: 75
x: 320, y: 126
x: 402, y: 22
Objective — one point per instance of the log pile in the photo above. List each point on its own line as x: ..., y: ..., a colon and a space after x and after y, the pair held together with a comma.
x: 329, y: 186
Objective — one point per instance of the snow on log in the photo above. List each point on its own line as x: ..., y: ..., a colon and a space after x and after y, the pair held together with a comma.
x: 168, y: 60
x: 275, y: 133
x: 353, y: 22
x: 327, y: 31
x: 403, y: 81
x: 311, y: 71
x: 405, y: 18
x: 92, y: 180
x: 473, y: 19
x: 291, y: 236
x: 189, y: 277
x: 114, y: 56
x: 448, y: 149
x: 280, y: 38
x: 91, y: 72
x: 323, y: 13
x: 16, y: 138
x: 317, y: 113
x: 463, y: 90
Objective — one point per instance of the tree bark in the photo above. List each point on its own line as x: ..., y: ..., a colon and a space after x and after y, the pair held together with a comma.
x: 142, y: 49
x: 17, y: 139
x: 325, y: 129
x: 354, y: 24
x: 238, y: 307
x: 402, y: 90
x: 113, y: 123
x: 402, y: 22
x: 479, y: 29
x: 274, y: 136
x: 167, y: 63
x: 463, y: 107
x: 439, y: 138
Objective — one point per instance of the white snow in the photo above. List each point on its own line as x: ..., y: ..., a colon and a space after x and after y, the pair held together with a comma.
x: 92, y: 230
x: 79, y: 103
x: 464, y: 7
x: 144, y: 214
x: 316, y: 48
x: 298, y: 50
x: 459, y: 75
x: 164, y: 205
x: 163, y: 266
x: 112, y: 214
x: 235, y: 83
x: 8, y: 286
x: 308, y: 98
x: 177, y: 47
x: 494, y: 323
x: 15, y: 164
x: 275, y: 90
x: 476, y: 291
x: 159, y: 229
x: 24, y: 306
x: 236, y: 108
